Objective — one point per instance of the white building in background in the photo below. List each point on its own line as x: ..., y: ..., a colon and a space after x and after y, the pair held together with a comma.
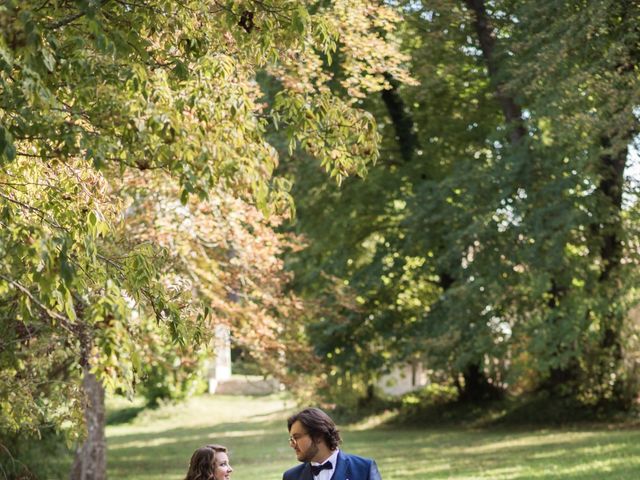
x: 218, y: 371
x: 403, y: 379
x: 219, y: 368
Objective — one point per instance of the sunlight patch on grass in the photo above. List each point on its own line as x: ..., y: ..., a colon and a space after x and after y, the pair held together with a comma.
x: 154, y: 442
x: 373, y: 421
x: 601, y: 465
x: 171, y: 440
x: 548, y: 455
x: 545, y: 439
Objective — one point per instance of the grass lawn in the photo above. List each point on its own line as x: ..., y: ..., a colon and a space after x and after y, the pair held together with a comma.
x: 157, y: 445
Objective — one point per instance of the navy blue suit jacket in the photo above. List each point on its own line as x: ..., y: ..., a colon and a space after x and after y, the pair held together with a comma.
x: 348, y: 467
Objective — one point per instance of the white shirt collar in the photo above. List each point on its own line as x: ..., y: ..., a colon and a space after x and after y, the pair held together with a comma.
x: 327, y: 474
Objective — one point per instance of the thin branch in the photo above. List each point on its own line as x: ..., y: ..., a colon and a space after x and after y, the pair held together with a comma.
x: 71, y: 18
x: 44, y: 4
x: 64, y: 321
x: 41, y: 214
x: 117, y: 266
x: 35, y: 184
x: 33, y: 155
x: 65, y: 21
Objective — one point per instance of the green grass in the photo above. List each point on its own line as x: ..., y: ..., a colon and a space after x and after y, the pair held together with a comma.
x: 157, y: 444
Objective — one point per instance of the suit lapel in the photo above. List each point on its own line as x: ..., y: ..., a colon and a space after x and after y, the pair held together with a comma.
x: 343, y: 470
x: 306, y: 472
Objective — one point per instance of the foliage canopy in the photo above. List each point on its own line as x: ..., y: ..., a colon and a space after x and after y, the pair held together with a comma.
x: 111, y: 111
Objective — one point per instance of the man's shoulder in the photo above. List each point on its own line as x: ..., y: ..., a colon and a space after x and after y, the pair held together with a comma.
x: 357, y: 459
x: 293, y: 472
x: 361, y: 468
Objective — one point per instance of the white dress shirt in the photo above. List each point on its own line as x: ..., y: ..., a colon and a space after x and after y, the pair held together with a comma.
x: 326, y: 474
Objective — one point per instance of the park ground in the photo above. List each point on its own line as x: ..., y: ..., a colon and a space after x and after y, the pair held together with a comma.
x: 157, y: 444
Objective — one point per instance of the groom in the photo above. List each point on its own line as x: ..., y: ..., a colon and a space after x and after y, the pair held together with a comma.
x: 315, y: 439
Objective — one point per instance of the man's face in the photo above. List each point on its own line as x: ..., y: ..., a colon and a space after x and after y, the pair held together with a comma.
x: 306, y: 450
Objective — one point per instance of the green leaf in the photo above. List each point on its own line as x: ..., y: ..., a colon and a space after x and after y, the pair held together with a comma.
x: 300, y: 19
x: 181, y: 70
x: 92, y: 219
x: 184, y: 197
x: 49, y: 60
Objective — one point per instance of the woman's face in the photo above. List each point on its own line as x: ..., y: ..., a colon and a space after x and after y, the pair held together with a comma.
x: 222, y: 468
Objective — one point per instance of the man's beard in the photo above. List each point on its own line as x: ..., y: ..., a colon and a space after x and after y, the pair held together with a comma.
x: 310, y: 453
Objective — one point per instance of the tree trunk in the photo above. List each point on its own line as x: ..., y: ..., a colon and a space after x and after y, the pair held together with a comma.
x: 487, y: 39
x: 91, y: 457
x: 401, y: 118
x: 561, y: 381
x: 612, y: 165
x: 476, y: 386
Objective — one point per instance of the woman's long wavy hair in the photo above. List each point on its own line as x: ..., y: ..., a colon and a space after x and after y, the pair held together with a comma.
x: 202, y: 464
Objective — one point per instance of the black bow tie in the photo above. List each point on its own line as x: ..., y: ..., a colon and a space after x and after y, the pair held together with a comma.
x: 316, y: 469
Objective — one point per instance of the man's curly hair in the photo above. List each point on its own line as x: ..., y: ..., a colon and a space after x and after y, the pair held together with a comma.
x: 318, y: 425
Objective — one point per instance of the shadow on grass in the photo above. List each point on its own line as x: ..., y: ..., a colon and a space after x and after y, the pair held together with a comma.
x: 124, y: 415
x: 536, y: 411
x: 231, y: 429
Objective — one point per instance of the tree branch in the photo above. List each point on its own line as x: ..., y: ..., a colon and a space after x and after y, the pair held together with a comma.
x: 64, y: 321
x: 487, y: 39
x: 41, y: 214
x: 71, y: 18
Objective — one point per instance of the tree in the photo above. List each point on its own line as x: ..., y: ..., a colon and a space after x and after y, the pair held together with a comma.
x: 96, y: 93
x: 505, y: 204
x: 403, y: 254
x: 587, y: 129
